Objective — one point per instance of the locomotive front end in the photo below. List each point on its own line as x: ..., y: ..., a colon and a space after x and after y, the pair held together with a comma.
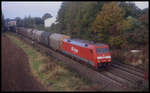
x: 103, y: 55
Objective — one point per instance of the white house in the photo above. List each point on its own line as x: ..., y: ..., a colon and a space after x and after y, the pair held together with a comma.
x: 49, y: 21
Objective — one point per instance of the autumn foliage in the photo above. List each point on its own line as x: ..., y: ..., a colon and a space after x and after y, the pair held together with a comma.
x: 110, y: 25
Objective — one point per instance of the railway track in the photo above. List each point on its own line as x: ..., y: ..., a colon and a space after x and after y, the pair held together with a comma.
x: 115, y: 77
x: 129, y: 70
x: 129, y: 66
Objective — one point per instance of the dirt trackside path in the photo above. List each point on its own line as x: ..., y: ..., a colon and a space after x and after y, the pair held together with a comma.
x: 16, y: 75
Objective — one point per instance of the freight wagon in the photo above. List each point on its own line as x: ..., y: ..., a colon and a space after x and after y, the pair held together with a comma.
x: 55, y: 40
x: 45, y: 38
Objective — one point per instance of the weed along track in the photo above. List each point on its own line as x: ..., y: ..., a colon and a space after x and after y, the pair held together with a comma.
x: 113, y: 78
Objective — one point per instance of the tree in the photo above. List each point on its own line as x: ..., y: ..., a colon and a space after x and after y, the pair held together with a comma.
x: 145, y: 11
x: 28, y: 22
x: 19, y: 22
x: 46, y: 15
x: 3, y: 23
x: 131, y: 9
x: 38, y: 20
x: 110, y: 14
x: 75, y: 18
x: 138, y: 33
x: 109, y: 25
x: 86, y: 16
x: 7, y: 20
x: 3, y: 20
x: 33, y: 22
x: 144, y: 18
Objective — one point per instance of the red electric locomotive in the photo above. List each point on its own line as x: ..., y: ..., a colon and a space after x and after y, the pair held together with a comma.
x: 95, y: 54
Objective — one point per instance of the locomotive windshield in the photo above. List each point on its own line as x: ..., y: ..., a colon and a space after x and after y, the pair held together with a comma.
x: 102, y: 50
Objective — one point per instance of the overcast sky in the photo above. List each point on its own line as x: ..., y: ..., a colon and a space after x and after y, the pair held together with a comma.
x: 34, y: 9
x: 38, y: 9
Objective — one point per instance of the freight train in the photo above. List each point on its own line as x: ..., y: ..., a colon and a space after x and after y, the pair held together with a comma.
x: 95, y: 54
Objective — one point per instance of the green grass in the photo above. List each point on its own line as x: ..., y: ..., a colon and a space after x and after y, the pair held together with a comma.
x: 57, y: 77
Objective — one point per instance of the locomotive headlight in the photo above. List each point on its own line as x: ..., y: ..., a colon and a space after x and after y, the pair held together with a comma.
x: 99, y: 57
x: 103, y: 57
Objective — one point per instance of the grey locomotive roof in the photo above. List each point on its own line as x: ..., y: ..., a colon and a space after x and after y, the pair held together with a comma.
x: 84, y: 42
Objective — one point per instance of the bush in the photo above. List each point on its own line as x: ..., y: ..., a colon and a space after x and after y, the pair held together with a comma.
x: 117, y: 55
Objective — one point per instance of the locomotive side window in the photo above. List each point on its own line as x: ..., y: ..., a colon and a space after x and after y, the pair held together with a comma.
x: 102, y: 50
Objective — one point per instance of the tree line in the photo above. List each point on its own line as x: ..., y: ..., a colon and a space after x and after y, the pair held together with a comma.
x: 30, y: 22
x: 121, y: 25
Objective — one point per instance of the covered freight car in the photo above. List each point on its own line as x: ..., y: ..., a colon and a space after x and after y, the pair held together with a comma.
x: 18, y: 30
x: 55, y: 40
x: 21, y: 30
x: 38, y: 35
x: 45, y: 38
x: 33, y: 34
x: 25, y: 33
x: 29, y: 33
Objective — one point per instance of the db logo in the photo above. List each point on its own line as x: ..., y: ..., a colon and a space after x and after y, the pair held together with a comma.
x: 74, y: 49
